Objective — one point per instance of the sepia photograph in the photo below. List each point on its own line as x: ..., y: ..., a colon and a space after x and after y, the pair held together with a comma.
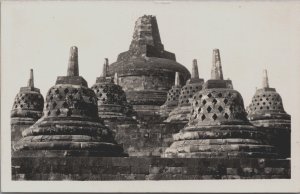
x: 150, y: 96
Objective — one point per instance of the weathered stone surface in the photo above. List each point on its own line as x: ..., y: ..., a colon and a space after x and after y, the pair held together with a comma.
x: 70, y: 125
x: 182, y: 112
x: 266, y: 112
x: 146, y: 71
x: 112, y: 102
x: 218, y: 126
x: 146, y: 168
x: 26, y: 110
x: 144, y: 139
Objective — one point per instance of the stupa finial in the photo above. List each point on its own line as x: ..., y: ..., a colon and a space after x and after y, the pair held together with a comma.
x: 105, y: 68
x: 116, y: 78
x: 265, y: 83
x: 216, y: 72
x: 177, y: 80
x: 73, y: 62
x: 195, y: 73
x: 31, y: 80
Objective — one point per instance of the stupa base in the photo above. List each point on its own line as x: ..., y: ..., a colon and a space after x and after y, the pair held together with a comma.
x: 179, y: 115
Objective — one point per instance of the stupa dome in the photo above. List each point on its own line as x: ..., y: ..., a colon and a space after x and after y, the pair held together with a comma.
x: 266, y: 111
x: 218, y: 125
x: 182, y: 112
x: 172, y: 98
x: 70, y: 125
x: 146, y: 71
x: 112, y: 102
x: 28, y: 102
x: 27, y: 108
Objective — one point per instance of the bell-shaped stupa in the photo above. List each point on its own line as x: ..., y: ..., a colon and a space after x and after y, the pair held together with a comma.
x: 266, y: 111
x: 112, y: 102
x: 146, y: 71
x: 218, y: 125
x: 182, y: 112
x: 70, y: 125
x: 27, y: 109
x: 172, y: 98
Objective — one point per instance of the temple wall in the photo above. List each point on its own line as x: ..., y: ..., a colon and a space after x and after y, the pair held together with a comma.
x: 145, y: 139
x: 146, y: 168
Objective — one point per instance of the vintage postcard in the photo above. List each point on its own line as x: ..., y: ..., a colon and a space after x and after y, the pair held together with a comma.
x: 150, y: 96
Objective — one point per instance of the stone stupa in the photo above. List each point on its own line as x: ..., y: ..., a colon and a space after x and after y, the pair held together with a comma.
x: 266, y: 112
x: 70, y: 125
x: 182, y: 112
x: 112, y: 102
x: 218, y: 126
x: 172, y: 98
x: 26, y: 110
x: 146, y: 71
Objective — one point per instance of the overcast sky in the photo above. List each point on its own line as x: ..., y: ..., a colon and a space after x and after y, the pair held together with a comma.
x: 251, y: 36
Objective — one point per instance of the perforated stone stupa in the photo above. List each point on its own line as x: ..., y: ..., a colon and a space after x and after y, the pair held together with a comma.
x: 181, y: 113
x: 218, y: 126
x: 112, y: 102
x: 70, y: 125
x: 146, y: 71
x: 172, y: 98
x: 266, y: 111
x: 27, y: 109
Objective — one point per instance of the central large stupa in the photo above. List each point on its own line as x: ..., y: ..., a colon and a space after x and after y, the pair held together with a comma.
x: 146, y: 71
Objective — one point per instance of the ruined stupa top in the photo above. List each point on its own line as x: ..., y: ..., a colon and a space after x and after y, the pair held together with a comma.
x: 266, y: 102
x: 146, y: 40
x: 146, y: 52
x: 28, y: 102
x: 217, y: 103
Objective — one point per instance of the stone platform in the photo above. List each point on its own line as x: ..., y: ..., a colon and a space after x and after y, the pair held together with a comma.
x: 146, y: 168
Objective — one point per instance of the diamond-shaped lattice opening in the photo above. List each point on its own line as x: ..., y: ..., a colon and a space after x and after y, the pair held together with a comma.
x: 60, y: 96
x: 214, y: 116
x: 48, y: 113
x: 264, y: 103
x: 196, y: 103
x: 66, y: 90
x: 229, y: 94
x: 208, y: 109
x: 203, y: 117
x: 214, y: 101
x: 204, y: 102
x: 220, y: 108
x: 267, y: 99
x: 199, y: 110
x: 103, y: 99
x: 225, y: 101
x: 268, y: 107
x: 56, y: 91
x: 195, y: 117
x: 191, y: 95
x: 57, y: 112
x: 187, y: 101
x: 54, y: 105
x: 200, y: 96
x: 220, y: 95
x: 226, y: 116
x: 261, y: 107
x: 209, y: 95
